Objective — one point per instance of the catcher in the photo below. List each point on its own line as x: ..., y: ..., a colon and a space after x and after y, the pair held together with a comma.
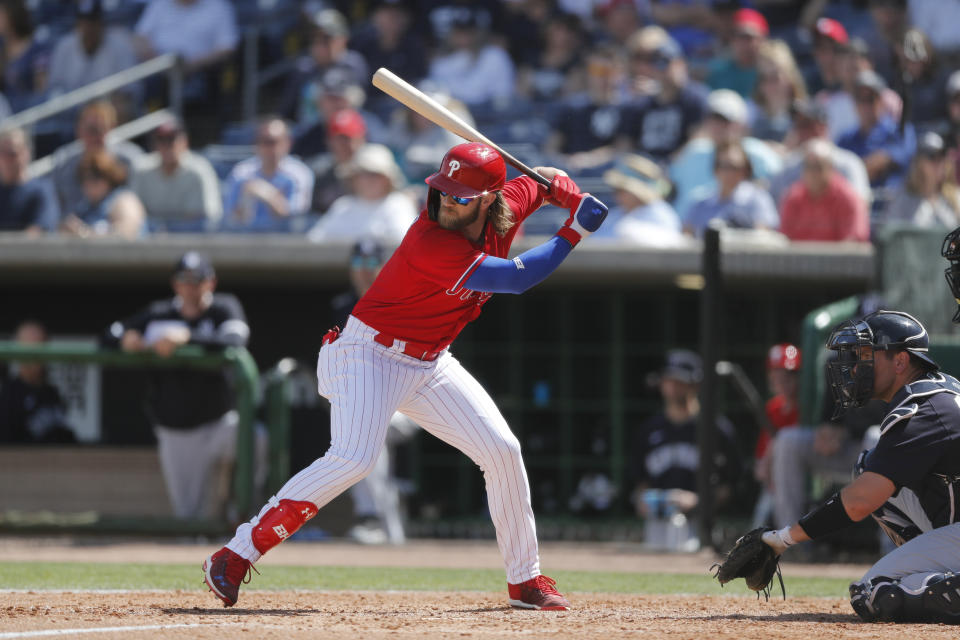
x: 909, y: 482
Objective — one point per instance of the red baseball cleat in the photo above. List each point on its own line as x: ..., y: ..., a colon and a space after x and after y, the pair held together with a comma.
x: 537, y: 593
x: 224, y: 572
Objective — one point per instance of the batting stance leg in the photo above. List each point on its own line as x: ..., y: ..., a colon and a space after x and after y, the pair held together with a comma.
x: 364, y: 383
x: 455, y: 408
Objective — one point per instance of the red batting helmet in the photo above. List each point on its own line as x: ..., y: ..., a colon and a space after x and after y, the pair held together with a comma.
x: 784, y: 356
x: 469, y: 170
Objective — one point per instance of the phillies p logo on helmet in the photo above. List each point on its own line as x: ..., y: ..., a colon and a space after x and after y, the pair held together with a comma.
x: 469, y: 170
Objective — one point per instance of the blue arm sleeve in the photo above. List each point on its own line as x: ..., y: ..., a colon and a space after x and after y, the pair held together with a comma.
x: 498, y: 275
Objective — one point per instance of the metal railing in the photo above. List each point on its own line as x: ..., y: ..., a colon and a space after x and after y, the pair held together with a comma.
x: 167, y: 63
x: 237, y: 359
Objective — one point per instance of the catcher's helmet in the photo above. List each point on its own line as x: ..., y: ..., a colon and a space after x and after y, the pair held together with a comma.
x: 784, y: 356
x: 951, y: 251
x: 851, y: 375
x: 469, y: 170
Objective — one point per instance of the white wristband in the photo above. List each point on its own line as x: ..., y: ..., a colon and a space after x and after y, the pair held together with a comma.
x: 575, y: 225
x: 786, y: 537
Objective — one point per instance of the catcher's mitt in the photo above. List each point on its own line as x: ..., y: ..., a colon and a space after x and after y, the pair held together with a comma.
x: 753, y: 560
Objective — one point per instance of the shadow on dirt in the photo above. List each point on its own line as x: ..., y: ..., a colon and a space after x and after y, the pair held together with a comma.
x: 230, y: 611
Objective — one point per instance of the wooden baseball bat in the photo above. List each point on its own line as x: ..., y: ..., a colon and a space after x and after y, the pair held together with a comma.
x: 404, y: 92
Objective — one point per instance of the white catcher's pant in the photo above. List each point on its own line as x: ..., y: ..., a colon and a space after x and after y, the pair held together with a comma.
x: 366, y: 383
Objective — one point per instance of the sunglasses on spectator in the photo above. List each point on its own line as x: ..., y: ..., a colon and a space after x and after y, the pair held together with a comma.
x: 189, y: 278
x: 456, y: 199
x: 865, y: 98
x: 730, y: 166
x: 365, y: 262
x: 268, y: 142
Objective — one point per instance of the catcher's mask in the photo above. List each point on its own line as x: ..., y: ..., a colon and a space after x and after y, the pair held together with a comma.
x: 951, y: 251
x: 850, y: 375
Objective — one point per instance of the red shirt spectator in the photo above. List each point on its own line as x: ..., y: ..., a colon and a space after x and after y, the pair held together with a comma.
x: 822, y: 205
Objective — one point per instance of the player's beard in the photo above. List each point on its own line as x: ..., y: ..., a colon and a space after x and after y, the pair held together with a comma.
x: 448, y: 218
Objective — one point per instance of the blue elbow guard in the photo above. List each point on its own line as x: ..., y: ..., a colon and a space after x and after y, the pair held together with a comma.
x: 498, y: 275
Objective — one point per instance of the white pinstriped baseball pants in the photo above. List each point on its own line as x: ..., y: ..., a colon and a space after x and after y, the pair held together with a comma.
x: 366, y: 383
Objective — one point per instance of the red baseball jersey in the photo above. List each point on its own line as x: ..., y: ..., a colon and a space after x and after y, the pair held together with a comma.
x: 419, y: 295
x: 779, y: 417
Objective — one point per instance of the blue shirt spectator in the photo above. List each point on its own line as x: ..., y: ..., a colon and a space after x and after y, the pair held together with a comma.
x: 24, y: 57
x: 736, y: 200
x: 25, y: 205
x: 726, y: 121
x: 640, y: 215
x: 271, y: 191
x: 201, y: 31
x: 884, y: 148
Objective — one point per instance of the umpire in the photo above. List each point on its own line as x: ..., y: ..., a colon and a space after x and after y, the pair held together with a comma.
x: 909, y: 482
x: 193, y: 412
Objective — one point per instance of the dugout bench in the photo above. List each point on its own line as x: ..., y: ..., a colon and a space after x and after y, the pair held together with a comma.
x: 120, y: 489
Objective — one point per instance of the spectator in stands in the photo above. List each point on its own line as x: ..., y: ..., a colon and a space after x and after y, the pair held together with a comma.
x: 329, y: 35
x: 666, y: 457
x: 25, y: 205
x: 24, y: 57
x: 822, y: 205
x: 810, y: 123
x: 376, y: 207
x: 586, y: 127
x: 667, y: 106
x: 90, y: 52
x: 692, y: 170
x: 334, y: 91
x: 108, y: 207
x: 738, y: 71
x: 736, y: 201
x: 421, y: 143
x: 94, y: 122
x: 782, y: 410
x: 179, y: 188
x: 193, y: 412
x: 553, y: 73
x: 202, y: 32
x: 272, y: 190
x: 830, y: 43
x: 641, y: 215
x: 929, y: 196
x: 472, y: 67
x: 346, y: 134
x: 31, y: 409
x: 618, y: 21
x: 879, y: 141
x: 937, y: 20
x: 853, y: 59
x: 951, y: 130
x: 779, y: 85
x: 924, y: 79
x: 387, y: 40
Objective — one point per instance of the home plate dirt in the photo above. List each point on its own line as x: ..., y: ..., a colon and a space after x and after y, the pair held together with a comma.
x: 363, y: 615
x: 418, y: 614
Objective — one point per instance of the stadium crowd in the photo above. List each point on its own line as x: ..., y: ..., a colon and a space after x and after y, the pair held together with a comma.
x: 821, y: 120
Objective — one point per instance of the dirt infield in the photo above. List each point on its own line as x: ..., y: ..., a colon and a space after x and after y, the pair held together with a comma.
x: 360, y: 616
x: 417, y: 614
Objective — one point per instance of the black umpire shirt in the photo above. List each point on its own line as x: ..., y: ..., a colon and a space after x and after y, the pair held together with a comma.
x: 187, y: 398
x: 919, y: 446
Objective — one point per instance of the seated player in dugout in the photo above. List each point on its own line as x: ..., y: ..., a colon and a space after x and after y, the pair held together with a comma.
x: 393, y: 355
x: 909, y: 482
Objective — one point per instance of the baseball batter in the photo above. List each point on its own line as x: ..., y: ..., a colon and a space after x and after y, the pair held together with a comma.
x: 393, y: 356
x: 909, y: 482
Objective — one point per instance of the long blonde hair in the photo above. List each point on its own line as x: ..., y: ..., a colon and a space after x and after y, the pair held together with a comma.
x: 777, y: 53
x: 500, y: 215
